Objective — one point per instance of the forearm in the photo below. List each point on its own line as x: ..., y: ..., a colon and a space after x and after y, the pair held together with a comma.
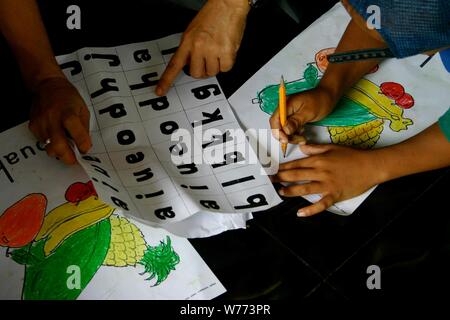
x: 426, y: 151
x: 338, y: 78
x: 241, y: 6
x: 22, y: 27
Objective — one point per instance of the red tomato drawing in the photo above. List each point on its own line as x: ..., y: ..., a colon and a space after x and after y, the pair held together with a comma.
x: 406, y: 101
x: 21, y: 222
x: 80, y: 191
x: 392, y: 90
x: 322, y: 59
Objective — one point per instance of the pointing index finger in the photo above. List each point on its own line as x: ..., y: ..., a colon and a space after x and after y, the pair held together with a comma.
x: 176, y: 64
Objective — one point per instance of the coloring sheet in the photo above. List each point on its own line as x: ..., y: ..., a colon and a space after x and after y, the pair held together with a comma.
x: 58, y: 240
x: 163, y: 159
x: 395, y: 101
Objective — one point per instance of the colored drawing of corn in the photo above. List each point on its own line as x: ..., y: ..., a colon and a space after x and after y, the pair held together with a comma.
x: 128, y: 248
x: 364, y: 136
x: 351, y: 124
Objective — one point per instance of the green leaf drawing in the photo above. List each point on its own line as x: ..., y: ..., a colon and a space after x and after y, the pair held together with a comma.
x: 311, y: 74
x: 46, y: 277
x: 159, y: 261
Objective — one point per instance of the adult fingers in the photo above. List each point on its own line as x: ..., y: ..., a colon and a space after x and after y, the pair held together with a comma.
x: 78, y: 132
x: 176, y: 64
x: 85, y: 117
x: 59, y: 146
x: 212, y: 66
x: 197, y: 66
x: 226, y: 63
x: 38, y: 130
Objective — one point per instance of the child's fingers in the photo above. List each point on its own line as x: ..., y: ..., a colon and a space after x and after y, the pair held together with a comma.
x: 323, y: 204
x: 296, y: 175
x: 314, y: 149
x: 296, y: 164
x: 275, y: 125
x: 298, y: 138
x: 300, y: 189
x: 292, y: 125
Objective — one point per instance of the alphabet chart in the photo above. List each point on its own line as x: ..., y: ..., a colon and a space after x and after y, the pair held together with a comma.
x: 135, y: 163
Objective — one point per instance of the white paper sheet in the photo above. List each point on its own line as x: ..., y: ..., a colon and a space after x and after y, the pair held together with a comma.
x: 132, y: 163
x: 28, y: 173
x: 300, y: 62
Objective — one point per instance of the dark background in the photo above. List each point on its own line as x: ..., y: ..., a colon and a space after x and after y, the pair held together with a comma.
x: 403, y: 227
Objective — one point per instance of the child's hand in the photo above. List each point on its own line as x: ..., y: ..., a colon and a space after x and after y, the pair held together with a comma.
x: 337, y: 173
x: 58, y: 111
x: 308, y: 106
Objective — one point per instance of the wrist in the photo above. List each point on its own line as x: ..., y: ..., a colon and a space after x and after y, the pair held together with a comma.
x: 381, y: 168
x: 328, y: 99
x: 240, y: 6
x: 44, y: 75
x: 332, y: 85
x: 49, y: 83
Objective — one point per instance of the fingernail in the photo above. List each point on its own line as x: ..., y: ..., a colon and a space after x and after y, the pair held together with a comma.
x: 301, y: 213
x: 281, y: 192
x: 158, y: 91
x: 302, y: 143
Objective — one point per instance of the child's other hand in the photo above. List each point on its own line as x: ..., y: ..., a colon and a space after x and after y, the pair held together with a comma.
x: 336, y: 173
x: 57, y: 111
x: 308, y: 106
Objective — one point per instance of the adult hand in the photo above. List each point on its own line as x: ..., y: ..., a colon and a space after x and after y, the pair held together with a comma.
x: 335, y: 172
x: 210, y: 43
x: 59, y: 113
x: 301, y: 108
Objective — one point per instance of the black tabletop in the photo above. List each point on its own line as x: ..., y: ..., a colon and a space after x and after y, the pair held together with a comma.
x: 403, y: 227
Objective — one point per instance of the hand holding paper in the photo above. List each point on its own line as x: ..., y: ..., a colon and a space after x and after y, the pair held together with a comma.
x: 57, y: 106
x: 59, y: 109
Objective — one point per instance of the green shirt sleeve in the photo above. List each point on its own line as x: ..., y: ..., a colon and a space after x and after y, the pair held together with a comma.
x: 444, y: 124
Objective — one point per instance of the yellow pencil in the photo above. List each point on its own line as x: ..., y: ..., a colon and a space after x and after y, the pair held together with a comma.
x: 282, y: 105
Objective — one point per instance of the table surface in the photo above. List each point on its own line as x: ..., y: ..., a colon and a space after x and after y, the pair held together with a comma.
x: 402, y: 227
